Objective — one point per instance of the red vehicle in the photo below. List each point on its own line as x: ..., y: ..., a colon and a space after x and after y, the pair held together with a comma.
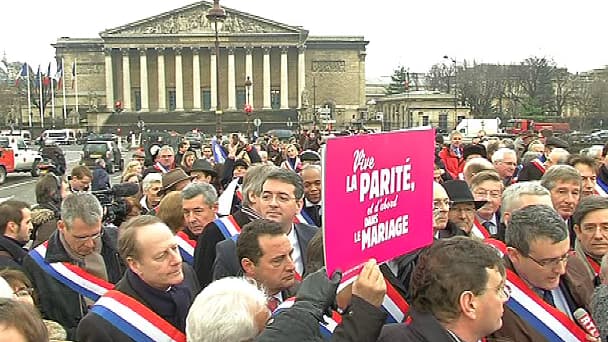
x: 516, y: 126
x: 7, y: 162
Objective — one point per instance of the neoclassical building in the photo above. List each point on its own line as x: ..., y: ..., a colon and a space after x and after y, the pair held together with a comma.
x: 162, y: 70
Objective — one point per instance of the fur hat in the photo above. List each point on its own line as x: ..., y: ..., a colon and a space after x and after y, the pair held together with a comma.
x: 471, y: 149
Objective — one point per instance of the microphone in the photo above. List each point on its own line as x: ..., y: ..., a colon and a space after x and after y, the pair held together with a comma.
x: 584, y: 320
x: 125, y: 189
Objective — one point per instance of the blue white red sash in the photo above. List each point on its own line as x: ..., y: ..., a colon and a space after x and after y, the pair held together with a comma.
x: 539, y: 165
x: 394, y: 304
x: 303, y: 217
x: 297, y: 167
x: 326, y: 328
x: 594, y: 265
x: 228, y: 226
x: 601, y: 188
x: 479, y: 230
x: 224, y: 202
x: 71, y: 275
x: 186, y: 247
x: 548, y: 321
x: 135, y: 319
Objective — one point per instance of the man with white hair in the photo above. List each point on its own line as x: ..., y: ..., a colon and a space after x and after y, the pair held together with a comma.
x: 150, y: 187
x: 229, y: 309
x: 505, y: 162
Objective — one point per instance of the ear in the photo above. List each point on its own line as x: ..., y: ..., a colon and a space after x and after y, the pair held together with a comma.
x: 248, y: 267
x: 133, y: 265
x: 300, y: 204
x: 468, y: 304
x: 252, y: 197
x: 61, y: 226
x: 577, y: 230
x: 215, y: 207
x: 506, y: 217
x: 12, y: 228
x: 513, y: 254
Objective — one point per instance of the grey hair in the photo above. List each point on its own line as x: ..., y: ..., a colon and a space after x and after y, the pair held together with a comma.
x: 564, y: 173
x: 529, y: 156
x: 534, y: 222
x: 197, y: 189
x: 587, y: 205
x: 153, y: 177
x: 512, y: 194
x: 253, y: 180
x: 288, y: 177
x: 166, y: 148
x: 81, y: 205
x: 499, y: 155
x: 311, y: 166
x: 225, y: 311
x: 562, y: 155
x: 476, y: 165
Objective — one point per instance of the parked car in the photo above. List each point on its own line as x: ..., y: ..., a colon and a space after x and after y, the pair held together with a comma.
x: 106, y: 150
x: 17, y: 157
x: 195, y: 139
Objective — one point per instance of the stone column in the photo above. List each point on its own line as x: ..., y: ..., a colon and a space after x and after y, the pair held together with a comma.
x: 126, y: 81
x: 179, y: 81
x: 213, y: 81
x: 301, y: 73
x: 266, y: 67
x: 143, y: 76
x: 249, y: 72
x: 162, y: 88
x: 196, y: 80
x: 231, y: 80
x: 284, y: 80
x: 109, y: 80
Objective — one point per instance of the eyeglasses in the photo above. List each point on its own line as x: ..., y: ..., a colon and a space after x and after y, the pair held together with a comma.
x: 24, y: 292
x: 503, y: 290
x: 550, y: 262
x: 442, y: 203
x: 282, y: 198
x: 86, y: 238
x: 167, y: 156
x: 487, y: 193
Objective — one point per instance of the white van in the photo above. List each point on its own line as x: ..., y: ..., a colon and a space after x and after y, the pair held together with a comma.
x: 60, y: 136
x: 23, y: 134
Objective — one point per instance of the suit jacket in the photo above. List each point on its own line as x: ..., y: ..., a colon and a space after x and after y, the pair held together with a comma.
x: 204, y: 252
x: 314, y: 214
x: 226, y: 261
x: 423, y: 328
x: 529, y: 172
x: 577, y: 286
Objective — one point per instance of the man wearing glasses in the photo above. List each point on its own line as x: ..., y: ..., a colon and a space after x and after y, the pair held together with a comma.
x: 487, y: 186
x: 78, y: 263
x: 547, y: 281
x: 164, y: 161
x: 458, y: 290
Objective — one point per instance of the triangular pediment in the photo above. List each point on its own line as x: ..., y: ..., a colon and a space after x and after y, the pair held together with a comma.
x: 191, y: 19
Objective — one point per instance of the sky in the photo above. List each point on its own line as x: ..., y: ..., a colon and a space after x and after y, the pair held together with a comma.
x: 415, y: 34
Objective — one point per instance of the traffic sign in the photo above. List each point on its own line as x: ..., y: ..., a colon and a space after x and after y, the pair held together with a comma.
x: 257, y: 122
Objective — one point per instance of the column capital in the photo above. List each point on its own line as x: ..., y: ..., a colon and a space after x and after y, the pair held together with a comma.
x: 362, y: 55
x: 266, y: 49
x: 301, y: 48
x: 195, y: 49
x: 142, y: 51
x: 212, y: 51
x: 249, y: 49
x: 178, y: 50
x: 231, y: 49
x: 107, y: 51
x: 284, y: 49
x: 159, y: 50
x: 125, y: 52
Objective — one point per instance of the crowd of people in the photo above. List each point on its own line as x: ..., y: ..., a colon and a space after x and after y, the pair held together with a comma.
x: 225, y: 243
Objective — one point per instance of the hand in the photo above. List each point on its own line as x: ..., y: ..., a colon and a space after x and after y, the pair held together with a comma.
x: 592, y: 339
x: 370, y: 284
x: 320, y: 291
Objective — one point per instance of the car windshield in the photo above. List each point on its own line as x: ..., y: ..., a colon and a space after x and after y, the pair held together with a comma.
x: 96, y: 148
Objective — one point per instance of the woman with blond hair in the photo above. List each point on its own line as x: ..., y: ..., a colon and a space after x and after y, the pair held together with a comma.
x: 187, y: 161
x: 132, y: 167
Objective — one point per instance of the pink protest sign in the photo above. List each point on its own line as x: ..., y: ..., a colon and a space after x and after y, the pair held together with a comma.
x: 378, y: 194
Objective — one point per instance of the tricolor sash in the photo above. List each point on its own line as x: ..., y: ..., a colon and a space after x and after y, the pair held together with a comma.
x: 479, y: 230
x: 548, y: 321
x: 295, y: 168
x: 228, y: 226
x: 303, y: 217
x: 601, y: 188
x: 539, y: 165
x: 326, y: 328
x: 135, y: 319
x: 224, y: 202
x: 394, y: 304
x: 71, y: 275
x: 186, y: 247
x: 594, y: 265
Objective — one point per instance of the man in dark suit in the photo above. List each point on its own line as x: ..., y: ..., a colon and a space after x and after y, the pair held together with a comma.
x: 313, y: 192
x: 280, y: 200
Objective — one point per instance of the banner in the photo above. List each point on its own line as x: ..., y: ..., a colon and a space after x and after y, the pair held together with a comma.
x: 378, y: 194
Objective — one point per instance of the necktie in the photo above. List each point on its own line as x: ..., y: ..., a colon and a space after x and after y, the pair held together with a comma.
x: 273, y: 303
x: 548, y: 297
x: 317, y: 214
x: 489, y: 226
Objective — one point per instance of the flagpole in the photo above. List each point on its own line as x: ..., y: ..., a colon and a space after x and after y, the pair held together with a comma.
x: 40, y: 103
x: 29, y: 96
x: 76, y: 85
x: 65, y: 108
x: 52, y: 86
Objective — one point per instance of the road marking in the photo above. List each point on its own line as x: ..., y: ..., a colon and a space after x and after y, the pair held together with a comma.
x: 17, y: 184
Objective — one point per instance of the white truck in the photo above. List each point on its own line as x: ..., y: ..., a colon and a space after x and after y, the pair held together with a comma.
x: 470, y: 127
x: 26, y: 159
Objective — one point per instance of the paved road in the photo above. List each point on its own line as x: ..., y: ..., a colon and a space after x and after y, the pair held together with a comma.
x: 21, y: 185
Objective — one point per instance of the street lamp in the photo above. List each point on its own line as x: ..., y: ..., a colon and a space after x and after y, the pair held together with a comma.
x: 248, y: 108
x: 217, y: 15
x: 453, y: 60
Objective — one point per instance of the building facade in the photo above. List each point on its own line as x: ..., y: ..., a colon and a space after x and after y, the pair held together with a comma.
x: 164, y: 70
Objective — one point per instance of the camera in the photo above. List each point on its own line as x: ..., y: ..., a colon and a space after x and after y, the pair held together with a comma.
x: 113, y: 202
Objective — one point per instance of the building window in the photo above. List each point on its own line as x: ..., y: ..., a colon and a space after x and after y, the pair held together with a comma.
x: 275, y: 98
x: 443, y: 121
x: 137, y: 100
x: 425, y: 120
x: 206, y: 99
x: 171, y: 100
x: 240, y: 99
